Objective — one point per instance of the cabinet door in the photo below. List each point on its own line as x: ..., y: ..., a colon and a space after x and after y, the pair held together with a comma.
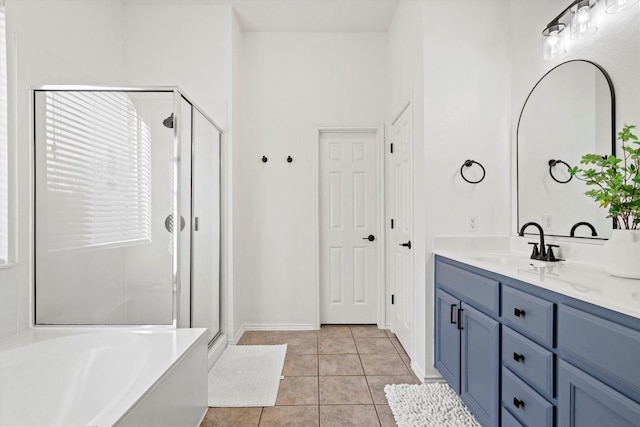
x: 480, y: 365
x: 447, y: 343
x: 584, y: 401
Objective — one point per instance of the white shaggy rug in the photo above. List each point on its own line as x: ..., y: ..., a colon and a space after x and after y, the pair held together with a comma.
x: 247, y: 375
x: 428, y: 405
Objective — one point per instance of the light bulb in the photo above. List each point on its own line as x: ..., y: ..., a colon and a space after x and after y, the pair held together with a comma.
x: 615, y: 6
x: 582, y: 20
x: 553, y: 46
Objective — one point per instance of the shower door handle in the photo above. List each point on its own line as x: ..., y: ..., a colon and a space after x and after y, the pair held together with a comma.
x: 168, y: 223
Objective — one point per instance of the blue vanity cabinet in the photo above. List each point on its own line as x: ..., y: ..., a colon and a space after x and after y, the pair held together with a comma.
x: 601, y: 362
x: 522, y: 355
x: 447, y: 345
x: 479, y: 372
x: 467, y: 339
x: 583, y: 401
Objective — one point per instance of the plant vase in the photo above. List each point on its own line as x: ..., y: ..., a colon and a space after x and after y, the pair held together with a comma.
x: 622, y: 254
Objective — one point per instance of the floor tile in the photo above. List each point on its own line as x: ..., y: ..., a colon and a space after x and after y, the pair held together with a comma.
x: 348, y: 415
x: 287, y: 335
x: 290, y: 416
x: 340, y: 364
x: 375, y: 346
x: 298, y: 391
x: 367, y: 331
x: 336, y: 346
x: 261, y: 338
x: 231, y: 417
x: 406, y: 360
x: 377, y: 383
x: 334, y: 331
x: 383, y: 364
x: 398, y: 346
x: 384, y: 415
x: 302, y: 346
x: 297, y: 365
x: 344, y: 390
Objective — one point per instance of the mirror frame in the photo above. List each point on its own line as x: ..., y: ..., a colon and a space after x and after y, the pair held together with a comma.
x: 613, y: 139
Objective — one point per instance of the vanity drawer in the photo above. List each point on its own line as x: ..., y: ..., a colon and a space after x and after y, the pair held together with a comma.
x: 530, y: 361
x: 479, y: 291
x: 509, y: 420
x: 531, y: 408
x: 528, y: 314
x: 606, y: 346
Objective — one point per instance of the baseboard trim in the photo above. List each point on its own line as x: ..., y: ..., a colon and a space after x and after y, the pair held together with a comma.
x: 418, y: 371
x: 234, y: 340
x: 216, y: 350
x: 280, y: 327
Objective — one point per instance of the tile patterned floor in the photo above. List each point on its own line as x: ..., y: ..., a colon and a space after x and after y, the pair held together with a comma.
x: 332, y: 377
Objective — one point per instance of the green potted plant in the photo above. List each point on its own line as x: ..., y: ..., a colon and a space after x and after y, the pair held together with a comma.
x: 615, y: 184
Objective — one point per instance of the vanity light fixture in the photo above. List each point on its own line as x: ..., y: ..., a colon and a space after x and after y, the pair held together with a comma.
x: 616, y: 6
x: 581, y: 19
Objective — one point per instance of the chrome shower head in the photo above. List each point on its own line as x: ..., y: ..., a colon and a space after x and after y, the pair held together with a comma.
x: 168, y: 122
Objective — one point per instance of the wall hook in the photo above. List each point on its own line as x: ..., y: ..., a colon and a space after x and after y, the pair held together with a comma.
x: 264, y: 159
x: 553, y: 163
x: 289, y: 159
x: 468, y: 164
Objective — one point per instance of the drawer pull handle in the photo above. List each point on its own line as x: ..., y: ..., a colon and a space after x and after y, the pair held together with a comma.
x: 518, y: 312
x: 452, y: 319
x: 460, y: 319
x: 518, y: 357
x: 518, y: 403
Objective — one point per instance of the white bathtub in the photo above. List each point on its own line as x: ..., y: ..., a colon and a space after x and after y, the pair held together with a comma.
x: 102, y: 377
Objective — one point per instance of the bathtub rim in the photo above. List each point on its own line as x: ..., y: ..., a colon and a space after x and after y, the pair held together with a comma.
x: 195, y: 337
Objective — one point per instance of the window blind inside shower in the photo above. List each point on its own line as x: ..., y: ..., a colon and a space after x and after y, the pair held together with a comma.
x: 98, y: 171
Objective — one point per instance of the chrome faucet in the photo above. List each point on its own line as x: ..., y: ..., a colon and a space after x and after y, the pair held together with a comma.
x: 540, y: 254
x: 578, y: 224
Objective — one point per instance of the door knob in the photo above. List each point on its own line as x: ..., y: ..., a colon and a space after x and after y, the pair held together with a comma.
x: 407, y: 245
x: 370, y: 238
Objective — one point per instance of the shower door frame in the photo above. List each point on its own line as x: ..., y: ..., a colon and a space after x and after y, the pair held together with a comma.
x: 178, y: 96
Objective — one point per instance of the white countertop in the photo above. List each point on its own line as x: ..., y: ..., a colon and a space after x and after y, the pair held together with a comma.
x: 584, y: 282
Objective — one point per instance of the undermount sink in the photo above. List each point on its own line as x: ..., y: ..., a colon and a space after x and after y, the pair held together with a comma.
x: 509, y: 259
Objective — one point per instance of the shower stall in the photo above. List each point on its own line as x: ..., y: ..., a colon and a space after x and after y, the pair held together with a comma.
x: 127, y: 208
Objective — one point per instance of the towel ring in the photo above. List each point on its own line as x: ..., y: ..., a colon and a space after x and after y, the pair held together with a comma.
x: 469, y: 163
x: 553, y: 163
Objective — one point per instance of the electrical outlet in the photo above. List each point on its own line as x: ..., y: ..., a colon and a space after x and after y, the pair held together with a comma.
x: 474, y: 223
x: 547, y: 222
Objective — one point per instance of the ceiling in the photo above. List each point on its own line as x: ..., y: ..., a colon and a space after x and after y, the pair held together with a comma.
x: 304, y: 15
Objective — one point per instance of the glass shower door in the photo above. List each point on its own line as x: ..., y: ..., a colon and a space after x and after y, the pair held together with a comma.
x: 205, y: 254
x: 104, y: 192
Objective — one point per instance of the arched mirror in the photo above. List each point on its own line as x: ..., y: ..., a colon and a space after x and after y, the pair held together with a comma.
x: 569, y: 112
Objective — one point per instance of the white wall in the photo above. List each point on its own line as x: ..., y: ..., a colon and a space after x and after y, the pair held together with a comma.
x: 50, y: 42
x: 467, y: 116
x: 185, y: 45
x: 236, y: 302
x: 405, y: 81
x: 293, y: 82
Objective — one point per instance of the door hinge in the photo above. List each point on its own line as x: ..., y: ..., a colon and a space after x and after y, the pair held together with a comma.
x: 393, y: 299
x: 392, y: 223
x: 196, y: 224
x: 392, y: 148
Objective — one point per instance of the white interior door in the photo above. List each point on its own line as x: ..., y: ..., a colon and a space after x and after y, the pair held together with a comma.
x: 400, y: 208
x: 349, y: 215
